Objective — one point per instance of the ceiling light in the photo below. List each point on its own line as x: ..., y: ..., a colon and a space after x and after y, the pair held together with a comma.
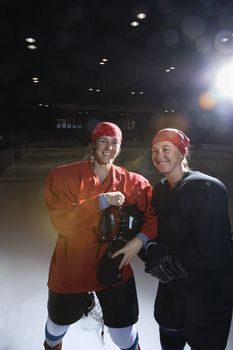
x: 141, y: 92
x: 97, y: 90
x: 132, y: 92
x: 102, y: 63
x: 32, y: 47
x: 35, y: 81
x: 134, y: 24
x: 40, y: 104
x: 224, y: 40
x: 104, y: 59
x: 90, y: 89
x: 167, y: 70
x: 141, y: 15
x: 172, y: 68
x: 30, y: 40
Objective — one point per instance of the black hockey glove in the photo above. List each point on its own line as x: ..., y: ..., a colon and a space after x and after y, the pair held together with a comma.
x: 108, y: 272
x: 162, y: 264
x: 131, y: 221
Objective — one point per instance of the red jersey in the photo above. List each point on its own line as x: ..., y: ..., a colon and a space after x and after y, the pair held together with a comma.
x: 72, y: 196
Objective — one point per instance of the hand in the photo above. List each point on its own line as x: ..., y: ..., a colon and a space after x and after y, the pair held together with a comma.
x: 129, y: 251
x: 115, y: 198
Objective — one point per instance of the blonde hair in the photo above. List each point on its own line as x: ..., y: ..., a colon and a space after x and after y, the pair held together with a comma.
x: 90, y: 152
x: 185, y: 161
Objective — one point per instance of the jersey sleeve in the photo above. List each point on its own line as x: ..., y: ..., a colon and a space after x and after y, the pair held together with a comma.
x: 142, y: 192
x: 204, y: 206
x: 68, y: 215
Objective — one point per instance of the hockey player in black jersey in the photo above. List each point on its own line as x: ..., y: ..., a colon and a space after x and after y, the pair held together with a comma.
x: 191, y: 257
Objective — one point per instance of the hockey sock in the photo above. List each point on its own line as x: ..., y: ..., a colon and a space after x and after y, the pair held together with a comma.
x: 54, y: 333
x: 125, y: 338
x: 172, y: 339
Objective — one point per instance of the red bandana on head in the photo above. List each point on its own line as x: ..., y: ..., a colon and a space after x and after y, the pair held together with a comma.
x: 175, y: 136
x: 106, y: 129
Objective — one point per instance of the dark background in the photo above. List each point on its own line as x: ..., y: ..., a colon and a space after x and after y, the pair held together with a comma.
x: 136, y: 91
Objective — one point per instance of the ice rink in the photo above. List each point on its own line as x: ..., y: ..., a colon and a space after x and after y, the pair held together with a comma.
x: 27, y: 242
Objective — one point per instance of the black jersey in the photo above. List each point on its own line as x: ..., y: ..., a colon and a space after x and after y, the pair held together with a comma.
x: 193, y: 220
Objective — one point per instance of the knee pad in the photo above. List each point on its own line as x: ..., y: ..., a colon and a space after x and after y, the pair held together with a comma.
x: 54, y: 333
x: 125, y: 338
x: 171, y: 339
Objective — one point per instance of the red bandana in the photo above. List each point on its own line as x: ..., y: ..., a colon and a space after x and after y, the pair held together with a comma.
x: 106, y: 129
x: 175, y: 136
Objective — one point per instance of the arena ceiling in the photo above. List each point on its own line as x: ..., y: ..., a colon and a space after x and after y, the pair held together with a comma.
x: 88, y: 56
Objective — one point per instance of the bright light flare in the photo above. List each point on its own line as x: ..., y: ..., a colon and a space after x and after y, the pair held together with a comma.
x: 224, y: 81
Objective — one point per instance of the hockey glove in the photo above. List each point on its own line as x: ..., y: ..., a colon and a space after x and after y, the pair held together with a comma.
x: 108, y: 272
x: 162, y: 264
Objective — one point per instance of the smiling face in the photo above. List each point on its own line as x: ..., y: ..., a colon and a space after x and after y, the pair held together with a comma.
x: 167, y: 159
x: 106, y: 149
